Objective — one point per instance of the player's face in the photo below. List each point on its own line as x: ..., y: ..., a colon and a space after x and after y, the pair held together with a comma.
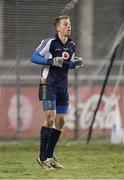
x: 64, y: 27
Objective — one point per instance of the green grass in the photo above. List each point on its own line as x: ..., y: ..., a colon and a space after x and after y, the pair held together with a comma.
x: 97, y: 160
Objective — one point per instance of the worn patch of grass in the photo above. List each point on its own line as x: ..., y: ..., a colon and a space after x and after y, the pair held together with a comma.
x: 97, y: 160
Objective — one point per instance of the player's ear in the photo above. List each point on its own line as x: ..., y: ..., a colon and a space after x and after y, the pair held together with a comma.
x: 58, y: 28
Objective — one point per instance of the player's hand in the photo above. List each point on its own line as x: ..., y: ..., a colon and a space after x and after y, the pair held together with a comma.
x: 78, y: 61
x: 57, y: 61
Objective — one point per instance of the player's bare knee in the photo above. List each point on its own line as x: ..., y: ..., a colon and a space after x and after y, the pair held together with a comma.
x: 50, y: 118
x: 50, y: 123
x: 60, y: 122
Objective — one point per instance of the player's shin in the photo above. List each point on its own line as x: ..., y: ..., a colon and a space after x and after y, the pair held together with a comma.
x: 52, y: 141
x: 44, y: 134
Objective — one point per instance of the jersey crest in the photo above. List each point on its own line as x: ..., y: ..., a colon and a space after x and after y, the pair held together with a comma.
x: 65, y: 55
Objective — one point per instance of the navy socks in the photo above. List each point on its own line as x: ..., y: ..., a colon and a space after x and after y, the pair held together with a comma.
x: 48, y: 140
x: 52, y: 141
x: 44, y: 134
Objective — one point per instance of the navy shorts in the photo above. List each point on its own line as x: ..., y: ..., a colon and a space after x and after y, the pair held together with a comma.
x: 54, y: 98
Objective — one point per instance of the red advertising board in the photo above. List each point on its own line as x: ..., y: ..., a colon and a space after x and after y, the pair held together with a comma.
x: 31, y: 113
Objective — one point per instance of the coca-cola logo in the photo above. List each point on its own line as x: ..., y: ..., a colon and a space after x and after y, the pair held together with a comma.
x: 105, y: 117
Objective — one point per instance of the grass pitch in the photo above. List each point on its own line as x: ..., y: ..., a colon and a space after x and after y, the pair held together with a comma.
x: 97, y: 160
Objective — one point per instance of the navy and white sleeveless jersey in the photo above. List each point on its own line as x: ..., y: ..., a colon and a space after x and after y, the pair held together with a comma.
x: 53, y: 47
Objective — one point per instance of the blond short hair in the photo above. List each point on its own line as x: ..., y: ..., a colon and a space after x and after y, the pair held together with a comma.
x: 59, y: 18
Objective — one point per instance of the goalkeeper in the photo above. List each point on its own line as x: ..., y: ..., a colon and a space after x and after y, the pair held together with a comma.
x: 57, y: 55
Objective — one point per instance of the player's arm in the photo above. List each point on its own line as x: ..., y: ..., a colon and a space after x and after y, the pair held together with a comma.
x: 75, y: 62
x: 43, y: 56
x: 38, y: 59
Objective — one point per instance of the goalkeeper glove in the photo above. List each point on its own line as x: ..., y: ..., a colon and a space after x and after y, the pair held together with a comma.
x: 56, y: 61
x: 78, y: 61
